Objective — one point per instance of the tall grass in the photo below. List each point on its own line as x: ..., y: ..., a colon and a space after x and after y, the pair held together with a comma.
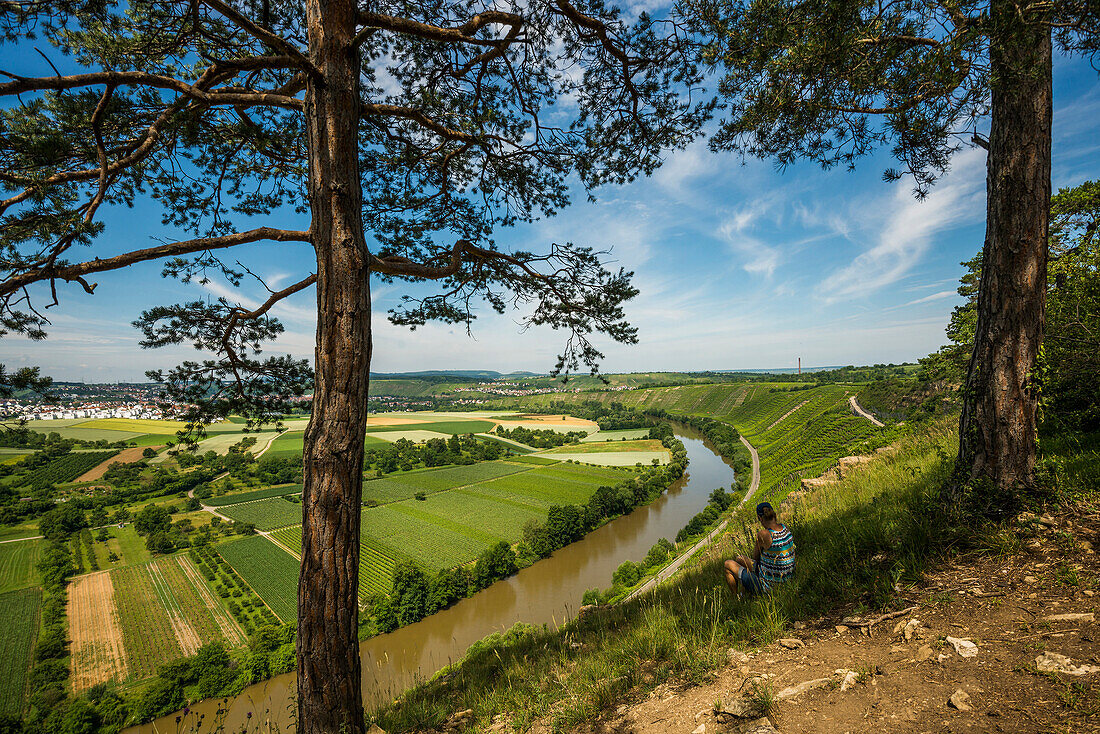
x: 856, y: 541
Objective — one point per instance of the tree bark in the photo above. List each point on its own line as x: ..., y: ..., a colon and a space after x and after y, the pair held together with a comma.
x: 329, y: 669
x: 997, y: 430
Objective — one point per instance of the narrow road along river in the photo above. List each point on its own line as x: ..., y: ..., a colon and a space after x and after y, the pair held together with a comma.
x: 548, y: 592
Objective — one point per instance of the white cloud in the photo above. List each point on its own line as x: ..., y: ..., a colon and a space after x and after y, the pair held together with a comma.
x: 905, y: 232
x: 934, y: 297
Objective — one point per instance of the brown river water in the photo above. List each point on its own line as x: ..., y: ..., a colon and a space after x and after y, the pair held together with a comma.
x: 549, y: 592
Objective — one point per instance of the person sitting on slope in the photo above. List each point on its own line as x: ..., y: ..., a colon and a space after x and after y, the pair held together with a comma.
x: 772, y: 559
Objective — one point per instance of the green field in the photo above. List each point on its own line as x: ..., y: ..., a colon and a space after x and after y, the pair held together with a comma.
x: 258, y: 494
x: 289, y: 444
x: 647, y: 445
x: 448, y: 427
x: 64, y: 468
x: 618, y: 458
x: 18, y: 632
x: 266, y: 514
x: 147, y: 634
x: 627, y: 433
x: 466, y: 509
x: 17, y: 564
x: 404, y: 486
x: 269, y: 570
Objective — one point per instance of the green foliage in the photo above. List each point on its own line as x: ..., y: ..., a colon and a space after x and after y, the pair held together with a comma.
x: 19, y: 612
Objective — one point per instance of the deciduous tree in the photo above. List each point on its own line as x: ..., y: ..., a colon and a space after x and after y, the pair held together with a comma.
x: 407, y: 133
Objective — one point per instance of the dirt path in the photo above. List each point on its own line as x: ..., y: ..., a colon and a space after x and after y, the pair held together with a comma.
x: 860, y: 411
x: 673, y: 567
x: 98, y: 654
x: 975, y: 649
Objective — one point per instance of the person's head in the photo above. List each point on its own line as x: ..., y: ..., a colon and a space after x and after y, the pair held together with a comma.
x: 766, y: 513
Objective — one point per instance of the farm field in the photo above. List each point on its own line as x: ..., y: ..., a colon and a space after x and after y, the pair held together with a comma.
x: 447, y: 427
x: 395, y: 487
x: 460, y: 516
x: 127, y: 545
x: 15, y: 532
x: 18, y: 632
x: 269, y: 570
x: 98, y: 652
x: 127, y: 622
x: 265, y: 514
x: 290, y: 444
x: 65, y: 468
x: 125, y: 456
x: 257, y: 494
x: 416, y: 436
x: 627, y: 433
x: 648, y: 444
x: 17, y: 564
x: 617, y: 458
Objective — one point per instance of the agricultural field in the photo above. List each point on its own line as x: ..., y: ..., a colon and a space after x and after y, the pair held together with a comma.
x: 12, y: 456
x: 402, y: 486
x: 643, y: 445
x: 617, y: 458
x: 14, y: 532
x: 627, y: 434
x: 290, y: 444
x: 127, y: 622
x: 18, y: 633
x: 17, y: 564
x: 463, y: 513
x: 64, y: 468
x: 265, y: 514
x: 258, y: 494
x: 416, y: 436
x: 269, y: 570
x: 447, y: 427
x: 98, y: 652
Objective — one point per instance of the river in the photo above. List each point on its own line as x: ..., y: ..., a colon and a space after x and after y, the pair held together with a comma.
x: 549, y: 592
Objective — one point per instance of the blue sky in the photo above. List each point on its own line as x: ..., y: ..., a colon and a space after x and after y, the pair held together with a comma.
x: 739, y: 266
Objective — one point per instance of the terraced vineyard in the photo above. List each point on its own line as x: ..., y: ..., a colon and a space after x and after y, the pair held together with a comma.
x: 18, y: 632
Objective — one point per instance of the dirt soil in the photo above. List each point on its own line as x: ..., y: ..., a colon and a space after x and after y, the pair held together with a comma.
x: 125, y: 456
x: 903, y: 674
x: 98, y: 654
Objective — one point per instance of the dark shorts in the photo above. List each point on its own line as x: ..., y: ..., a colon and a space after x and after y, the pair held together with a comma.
x: 753, y: 583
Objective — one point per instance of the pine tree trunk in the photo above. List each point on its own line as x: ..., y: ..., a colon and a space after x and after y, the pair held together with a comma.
x: 997, y: 430
x: 329, y: 669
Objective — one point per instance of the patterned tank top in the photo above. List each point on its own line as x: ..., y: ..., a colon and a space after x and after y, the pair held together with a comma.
x: 777, y: 561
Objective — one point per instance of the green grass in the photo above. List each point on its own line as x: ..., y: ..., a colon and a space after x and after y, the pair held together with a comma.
x: 18, y: 632
x: 127, y: 545
x: 287, y: 445
x: 12, y: 532
x: 448, y: 428
x: 266, y: 514
x: 257, y: 494
x: 540, y: 460
x: 269, y: 570
x: 17, y: 564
